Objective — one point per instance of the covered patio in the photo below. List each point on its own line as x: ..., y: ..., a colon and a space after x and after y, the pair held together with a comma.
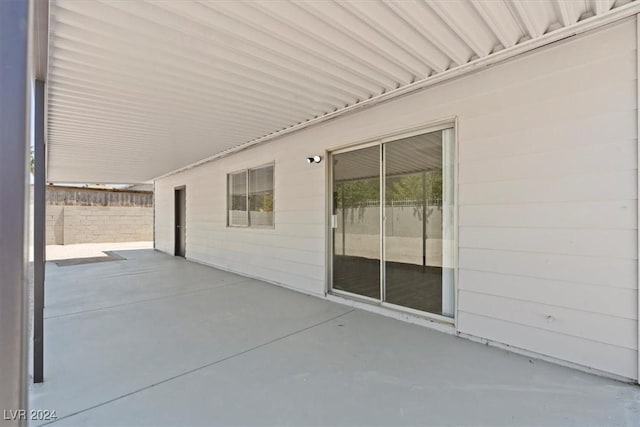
x: 158, y: 340
x: 534, y: 107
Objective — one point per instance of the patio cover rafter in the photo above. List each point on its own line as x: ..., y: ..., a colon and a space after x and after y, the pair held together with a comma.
x: 159, y: 86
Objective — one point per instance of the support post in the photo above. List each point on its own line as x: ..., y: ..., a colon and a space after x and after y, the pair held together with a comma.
x: 638, y: 184
x: 39, y: 237
x: 15, y: 92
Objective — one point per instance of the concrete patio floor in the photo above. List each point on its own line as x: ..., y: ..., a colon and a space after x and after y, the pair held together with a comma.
x: 157, y: 340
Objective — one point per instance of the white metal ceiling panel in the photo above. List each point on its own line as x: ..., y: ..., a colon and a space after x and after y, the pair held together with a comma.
x: 137, y: 89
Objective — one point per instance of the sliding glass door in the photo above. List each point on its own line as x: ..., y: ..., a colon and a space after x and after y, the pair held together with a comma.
x: 417, y: 223
x: 356, y: 216
x: 393, y: 235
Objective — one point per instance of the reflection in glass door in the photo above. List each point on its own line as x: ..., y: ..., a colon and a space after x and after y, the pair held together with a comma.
x: 356, y: 218
x: 417, y: 267
x: 400, y: 251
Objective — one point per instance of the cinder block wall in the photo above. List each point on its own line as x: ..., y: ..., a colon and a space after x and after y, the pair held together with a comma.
x: 55, y: 225
x: 94, y: 224
x: 85, y: 215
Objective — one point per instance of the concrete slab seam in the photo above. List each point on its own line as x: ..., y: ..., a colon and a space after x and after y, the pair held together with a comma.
x: 191, y: 371
x: 144, y: 300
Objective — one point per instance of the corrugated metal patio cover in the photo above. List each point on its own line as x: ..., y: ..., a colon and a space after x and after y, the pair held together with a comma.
x: 137, y: 89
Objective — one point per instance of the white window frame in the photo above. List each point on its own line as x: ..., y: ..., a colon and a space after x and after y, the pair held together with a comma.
x: 248, y: 198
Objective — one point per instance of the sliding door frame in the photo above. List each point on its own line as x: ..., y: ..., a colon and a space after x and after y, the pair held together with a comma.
x: 380, y: 141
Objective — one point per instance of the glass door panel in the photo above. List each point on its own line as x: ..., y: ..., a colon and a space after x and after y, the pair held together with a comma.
x: 417, y: 222
x: 356, y: 222
x: 393, y: 222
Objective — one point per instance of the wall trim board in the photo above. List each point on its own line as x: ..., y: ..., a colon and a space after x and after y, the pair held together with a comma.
x: 545, y: 358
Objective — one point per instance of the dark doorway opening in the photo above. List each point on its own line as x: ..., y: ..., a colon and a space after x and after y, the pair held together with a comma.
x: 180, y: 222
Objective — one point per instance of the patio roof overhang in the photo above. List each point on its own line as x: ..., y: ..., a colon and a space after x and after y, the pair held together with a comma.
x: 139, y: 89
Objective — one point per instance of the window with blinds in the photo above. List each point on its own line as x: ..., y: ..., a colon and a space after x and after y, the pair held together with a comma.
x: 250, y: 197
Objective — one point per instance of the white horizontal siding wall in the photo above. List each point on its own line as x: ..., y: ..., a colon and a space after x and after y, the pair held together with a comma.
x: 547, y: 199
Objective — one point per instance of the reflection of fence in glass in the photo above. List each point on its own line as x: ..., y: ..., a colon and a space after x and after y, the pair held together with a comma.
x: 403, y: 223
x: 406, y: 202
x: 237, y: 217
x: 251, y: 197
x: 261, y: 218
x: 261, y: 208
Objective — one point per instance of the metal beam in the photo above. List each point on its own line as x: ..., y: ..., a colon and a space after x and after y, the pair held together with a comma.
x: 40, y: 38
x: 14, y: 135
x: 39, y: 237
